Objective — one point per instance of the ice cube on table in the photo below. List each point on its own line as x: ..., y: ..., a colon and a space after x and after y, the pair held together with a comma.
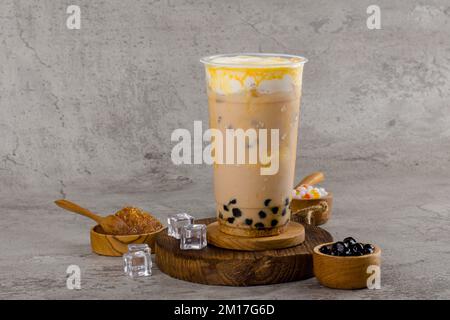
x: 137, y: 262
x: 193, y: 236
x: 176, y: 222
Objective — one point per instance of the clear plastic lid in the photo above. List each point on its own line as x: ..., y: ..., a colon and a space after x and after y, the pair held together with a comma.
x: 254, y: 60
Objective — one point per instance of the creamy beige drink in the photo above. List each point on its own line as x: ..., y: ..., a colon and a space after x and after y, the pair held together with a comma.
x: 257, y: 92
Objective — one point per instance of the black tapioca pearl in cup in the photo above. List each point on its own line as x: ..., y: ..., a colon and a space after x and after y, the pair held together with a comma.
x: 286, y: 202
x: 262, y: 214
x: 232, y: 201
x: 259, y: 225
x: 283, y: 213
x: 248, y: 222
x: 274, y: 222
x: 267, y: 202
x: 236, y: 212
x: 274, y: 210
x: 230, y: 220
x: 225, y: 207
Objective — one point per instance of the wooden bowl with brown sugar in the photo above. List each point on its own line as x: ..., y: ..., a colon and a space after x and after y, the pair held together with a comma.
x: 116, y: 245
x: 113, y: 233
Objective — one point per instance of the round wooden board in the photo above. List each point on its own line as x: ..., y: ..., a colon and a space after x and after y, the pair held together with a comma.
x: 293, y: 236
x: 217, y: 266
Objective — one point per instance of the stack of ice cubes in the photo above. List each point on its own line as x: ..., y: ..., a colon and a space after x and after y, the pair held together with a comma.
x: 192, y: 236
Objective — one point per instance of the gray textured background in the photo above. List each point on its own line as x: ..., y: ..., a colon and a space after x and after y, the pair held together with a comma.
x: 99, y: 104
x: 87, y: 114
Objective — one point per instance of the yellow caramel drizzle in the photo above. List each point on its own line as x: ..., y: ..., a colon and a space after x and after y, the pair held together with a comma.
x: 221, y: 78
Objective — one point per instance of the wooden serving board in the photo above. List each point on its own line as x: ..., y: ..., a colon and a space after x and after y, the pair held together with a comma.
x: 217, y: 266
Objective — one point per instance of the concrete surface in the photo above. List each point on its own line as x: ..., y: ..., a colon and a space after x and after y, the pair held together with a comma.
x: 87, y: 115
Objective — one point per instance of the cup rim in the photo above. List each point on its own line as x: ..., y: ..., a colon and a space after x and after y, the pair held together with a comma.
x: 209, y: 60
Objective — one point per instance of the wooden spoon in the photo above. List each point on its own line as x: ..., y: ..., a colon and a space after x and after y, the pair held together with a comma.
x: 313, y: 178
x: 111, y: 224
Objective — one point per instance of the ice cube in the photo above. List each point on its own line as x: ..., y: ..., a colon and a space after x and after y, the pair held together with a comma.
x: 139, y: 247
x: 193, y: 236
x: 137, y: 262
x: 176, y: 222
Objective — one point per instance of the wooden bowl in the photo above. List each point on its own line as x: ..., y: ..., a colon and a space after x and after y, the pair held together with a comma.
x: 320, y: 209
x: 115, y: 246
x: 318, y: 216
x: 344, y: 272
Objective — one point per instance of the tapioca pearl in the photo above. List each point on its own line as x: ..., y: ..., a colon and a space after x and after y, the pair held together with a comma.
x: 262, y: 214
x: 267, y: 202
x: 274, y: 222
x: 286, y: 202
x: 225, y: 207
x: 220, y: 215
x: 248, y: 222
x: 283, y: 213
x: 257, y: 124
x: 274, y: 210
x: 230, y: 220
x: 232, y: 201
x: 236, y: 212
x: 251, y: 143
x: 259, y: 225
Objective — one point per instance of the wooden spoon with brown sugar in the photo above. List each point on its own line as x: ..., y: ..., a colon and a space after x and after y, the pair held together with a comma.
x: 111, y: 224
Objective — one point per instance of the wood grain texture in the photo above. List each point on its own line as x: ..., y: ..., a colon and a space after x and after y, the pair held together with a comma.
x: 318, y: 217
x: 115, y: 246
x: 217, y: 266
x: 344, y: 272
x: 293, y: 235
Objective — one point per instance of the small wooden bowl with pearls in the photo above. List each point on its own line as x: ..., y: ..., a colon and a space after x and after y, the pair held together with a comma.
x: 346, y: 272
x: 312, y: 211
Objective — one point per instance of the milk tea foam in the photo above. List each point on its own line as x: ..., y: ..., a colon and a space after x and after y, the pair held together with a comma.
x: 255, y: 91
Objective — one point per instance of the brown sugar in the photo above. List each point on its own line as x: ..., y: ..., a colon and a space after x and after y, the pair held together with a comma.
x: 138, y: 221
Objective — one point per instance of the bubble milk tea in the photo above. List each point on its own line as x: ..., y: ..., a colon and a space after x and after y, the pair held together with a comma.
x: 254, y: 104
